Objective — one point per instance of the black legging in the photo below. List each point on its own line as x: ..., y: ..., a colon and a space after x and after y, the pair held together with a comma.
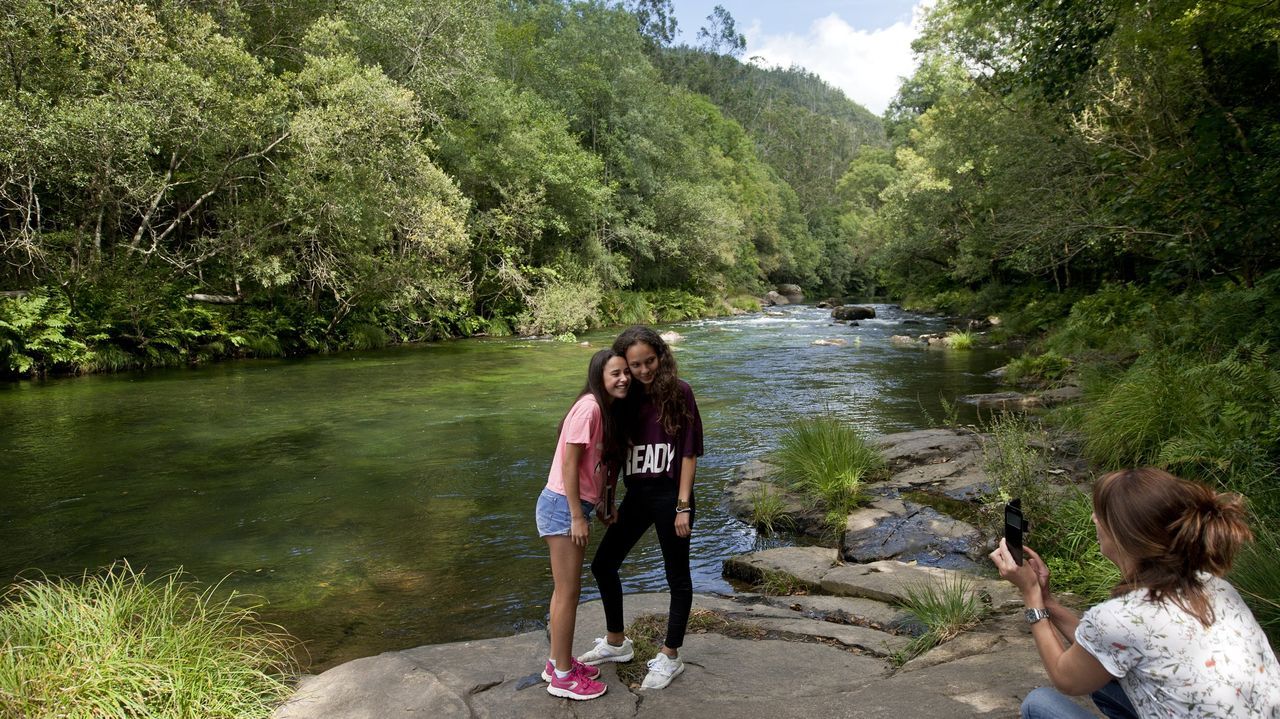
x: 648, y: 502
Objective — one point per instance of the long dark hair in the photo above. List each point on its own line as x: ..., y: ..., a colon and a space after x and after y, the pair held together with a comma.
x: 610, y: 409
x: 664, y: 392
x: 1170, y: 529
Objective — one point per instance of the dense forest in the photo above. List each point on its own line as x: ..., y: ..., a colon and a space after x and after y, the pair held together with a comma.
x: 188, y: 180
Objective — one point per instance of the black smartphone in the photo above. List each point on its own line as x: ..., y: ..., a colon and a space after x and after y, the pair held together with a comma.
x: 1014, y: 526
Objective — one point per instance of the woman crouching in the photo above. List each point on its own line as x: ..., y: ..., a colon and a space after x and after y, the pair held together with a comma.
x: 1175, y: 639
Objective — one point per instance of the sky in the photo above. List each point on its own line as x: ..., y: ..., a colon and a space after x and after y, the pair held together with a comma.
x: 862, y: 47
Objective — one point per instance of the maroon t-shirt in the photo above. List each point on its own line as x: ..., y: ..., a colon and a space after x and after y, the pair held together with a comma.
x: 652, y: 453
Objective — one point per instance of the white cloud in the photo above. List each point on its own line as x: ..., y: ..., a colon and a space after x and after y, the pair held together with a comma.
x: 866, y: 64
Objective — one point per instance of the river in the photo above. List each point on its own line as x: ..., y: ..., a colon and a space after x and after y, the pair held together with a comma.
x: 384, y: 499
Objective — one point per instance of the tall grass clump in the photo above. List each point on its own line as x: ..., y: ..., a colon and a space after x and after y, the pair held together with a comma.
x: 118, y: 645
x: 1256, y: 575
x: 945, y: 608
x: 768, y: 511
x: 828, y: 461
x: 960, y: 340
x: 1068, y: 542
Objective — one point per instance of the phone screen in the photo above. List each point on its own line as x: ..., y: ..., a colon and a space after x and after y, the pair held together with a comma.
x: 1013, y: 526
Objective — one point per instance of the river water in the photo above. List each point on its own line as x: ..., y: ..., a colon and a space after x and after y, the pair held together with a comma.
x: 382, y: 500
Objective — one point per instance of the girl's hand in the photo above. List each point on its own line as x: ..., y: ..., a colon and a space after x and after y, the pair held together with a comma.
x: 1025, y: 577
x: 607, y: 513
x: 683, y: 526
x: 579, y: 530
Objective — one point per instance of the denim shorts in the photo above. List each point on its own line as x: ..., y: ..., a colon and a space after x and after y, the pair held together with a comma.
x: 553, y: 513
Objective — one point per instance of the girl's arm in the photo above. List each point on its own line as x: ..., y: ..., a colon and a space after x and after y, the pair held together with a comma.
x: 688, y: 467
x: 579, y: 529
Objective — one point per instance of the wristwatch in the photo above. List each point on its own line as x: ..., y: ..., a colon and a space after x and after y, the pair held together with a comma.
x: 682, y: 505
x: 1034, y: 614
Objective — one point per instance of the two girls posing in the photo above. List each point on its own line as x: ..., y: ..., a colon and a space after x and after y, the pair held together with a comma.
x: 635, y: 416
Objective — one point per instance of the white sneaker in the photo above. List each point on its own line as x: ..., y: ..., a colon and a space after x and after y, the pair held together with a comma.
x: 662, y: 669
x: 606, y: 652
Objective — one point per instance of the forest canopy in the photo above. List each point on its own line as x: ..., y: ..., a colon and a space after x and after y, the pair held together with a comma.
x: 353, y: 172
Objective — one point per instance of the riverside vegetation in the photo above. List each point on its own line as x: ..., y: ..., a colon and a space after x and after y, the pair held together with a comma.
x: 118, y: 644
x: 186, y: 181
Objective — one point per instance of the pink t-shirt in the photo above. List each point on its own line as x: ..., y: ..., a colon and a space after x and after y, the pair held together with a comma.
x: 583, y: 425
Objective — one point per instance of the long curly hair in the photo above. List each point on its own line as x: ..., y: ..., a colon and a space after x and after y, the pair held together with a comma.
x: 664, y: 392
x: 1170, y: 529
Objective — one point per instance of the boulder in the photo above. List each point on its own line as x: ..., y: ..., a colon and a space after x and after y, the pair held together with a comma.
x: 772, y: 298
x: 671, y: 337
x: 832, y: 342
x: 1004, y: 401
x: 829, y: 303
x: 793, y: 293
x: 906, y: 531
x: 853, y: 312
x: 925, y: 446
x: 1061, y: 395
x: 904, y: 341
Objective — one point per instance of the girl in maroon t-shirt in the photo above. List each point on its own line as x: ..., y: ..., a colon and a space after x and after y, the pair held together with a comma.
x: 664, y: 441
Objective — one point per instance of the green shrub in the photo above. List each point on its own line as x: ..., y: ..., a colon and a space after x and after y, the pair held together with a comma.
x: 367, y: 336
x: 1048, y: 367
x: 746, y: 303
x: 117, y: 645
x: 1067, y: 540
x: 1111, y: 321
x: 37, y: 335
x: 677, y: 305
x: 960, y: 340
x: 1015, y: 456
x: 562, y: 306
x: 946, y: 609
x: 625, y: 308
x: 1215, y: 421
x: 828, y: 461
x: 1257, y: 575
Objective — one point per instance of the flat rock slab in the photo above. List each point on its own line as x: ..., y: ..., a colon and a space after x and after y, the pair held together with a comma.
x: 889, y: 581
x: 847, y: 610
x: 959, y: 476
x: 898, y: 529
x: 808, y: 565
x: 926, y: 446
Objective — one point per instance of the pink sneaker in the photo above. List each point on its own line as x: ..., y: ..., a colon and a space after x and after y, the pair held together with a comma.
x: 575, y: 686
x: 590, y: 672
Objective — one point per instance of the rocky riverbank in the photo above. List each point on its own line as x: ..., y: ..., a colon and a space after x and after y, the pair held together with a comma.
x: 835, y: 650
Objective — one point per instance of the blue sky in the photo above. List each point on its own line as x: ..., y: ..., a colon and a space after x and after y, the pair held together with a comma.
x: 861, y: 46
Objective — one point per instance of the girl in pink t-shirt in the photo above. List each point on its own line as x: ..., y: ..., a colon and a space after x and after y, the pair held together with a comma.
x: 588, y: 454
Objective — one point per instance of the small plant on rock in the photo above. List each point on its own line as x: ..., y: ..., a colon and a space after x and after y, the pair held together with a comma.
x: 946, y: 609
x: 768, y: 511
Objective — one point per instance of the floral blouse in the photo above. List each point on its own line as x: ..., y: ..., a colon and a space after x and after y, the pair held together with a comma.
x: 1171, y: 666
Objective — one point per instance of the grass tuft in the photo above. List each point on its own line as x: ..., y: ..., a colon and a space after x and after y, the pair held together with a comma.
x: 768, y: 511
x: 117, y: 645
x: 960, y: 340
x: 946, y: 609
x: 828, y: 461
